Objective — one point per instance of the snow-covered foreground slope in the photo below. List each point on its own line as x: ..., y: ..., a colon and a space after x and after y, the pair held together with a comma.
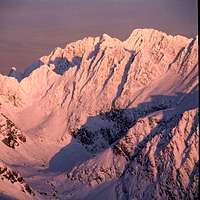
x: 103, y: 119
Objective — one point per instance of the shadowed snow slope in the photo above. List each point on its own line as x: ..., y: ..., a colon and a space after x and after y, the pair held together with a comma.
x: 104, y: 119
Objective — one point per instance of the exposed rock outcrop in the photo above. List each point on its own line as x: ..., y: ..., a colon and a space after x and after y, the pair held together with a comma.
x: 10, y: 135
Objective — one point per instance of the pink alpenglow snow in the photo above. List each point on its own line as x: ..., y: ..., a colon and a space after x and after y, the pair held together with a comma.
x: 103, y: 119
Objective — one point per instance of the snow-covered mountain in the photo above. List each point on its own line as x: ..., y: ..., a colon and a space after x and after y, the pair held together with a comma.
x: 103, y: 119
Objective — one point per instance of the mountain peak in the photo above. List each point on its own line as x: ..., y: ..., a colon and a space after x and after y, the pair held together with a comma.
x: 15, y: 74
x: 103, y: 115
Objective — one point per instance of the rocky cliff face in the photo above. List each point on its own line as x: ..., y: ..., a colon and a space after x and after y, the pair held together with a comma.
x: 108, y: 119
x: 10, y: 134
x: 12, y: 177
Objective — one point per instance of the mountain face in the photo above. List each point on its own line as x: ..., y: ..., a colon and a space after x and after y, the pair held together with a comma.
x: 103, y: 119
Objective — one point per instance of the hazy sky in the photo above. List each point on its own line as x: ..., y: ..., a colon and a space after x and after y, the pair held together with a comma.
x: 30, y: 29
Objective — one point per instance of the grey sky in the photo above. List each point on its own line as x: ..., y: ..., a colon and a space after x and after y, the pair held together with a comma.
x: 32, y: 28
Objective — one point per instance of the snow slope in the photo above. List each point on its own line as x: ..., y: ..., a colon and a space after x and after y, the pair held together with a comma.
x: 104, y: 119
